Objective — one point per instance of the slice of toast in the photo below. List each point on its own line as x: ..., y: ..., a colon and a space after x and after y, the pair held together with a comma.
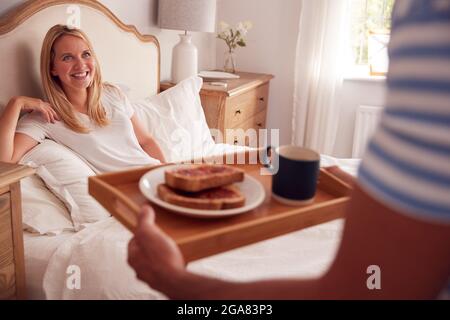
x: 201, y: 177
x: 226, y: 197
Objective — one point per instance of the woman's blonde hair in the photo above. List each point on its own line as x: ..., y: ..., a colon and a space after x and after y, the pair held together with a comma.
x: 52, y: 85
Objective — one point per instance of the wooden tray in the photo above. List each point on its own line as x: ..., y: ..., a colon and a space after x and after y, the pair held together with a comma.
x: 197, y: 238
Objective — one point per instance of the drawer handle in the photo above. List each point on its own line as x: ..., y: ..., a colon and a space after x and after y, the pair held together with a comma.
x: 237, y: 112
x: 259, y: 124
x: 235, y: 141
x: 261, y: 99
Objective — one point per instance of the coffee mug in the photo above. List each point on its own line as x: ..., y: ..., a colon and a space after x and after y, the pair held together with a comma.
x: 295, y: 180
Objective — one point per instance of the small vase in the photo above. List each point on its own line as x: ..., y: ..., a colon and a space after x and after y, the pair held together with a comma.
x: 229, y: 62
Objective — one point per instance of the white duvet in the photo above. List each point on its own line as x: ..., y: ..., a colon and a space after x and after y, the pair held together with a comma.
x: 98, y: 254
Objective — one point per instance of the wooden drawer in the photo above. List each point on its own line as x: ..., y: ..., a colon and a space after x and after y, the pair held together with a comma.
x: 7, y: 267
x: 251, y: 138
x: 211, y: 108
x: 245, y: 106
x: 258, y: 121
x: 12, y: 262
x: 8, y: 282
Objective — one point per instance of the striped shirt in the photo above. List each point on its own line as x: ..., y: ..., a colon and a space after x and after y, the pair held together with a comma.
x: 407, y: 163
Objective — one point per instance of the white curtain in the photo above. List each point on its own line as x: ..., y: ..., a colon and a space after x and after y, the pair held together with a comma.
x: 320, y: 62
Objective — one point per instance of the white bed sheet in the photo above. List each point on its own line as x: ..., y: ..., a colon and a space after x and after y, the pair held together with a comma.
x: 38, y: 252
x: 100, y: 250
x: 100, y: 253
x: 303, y: 254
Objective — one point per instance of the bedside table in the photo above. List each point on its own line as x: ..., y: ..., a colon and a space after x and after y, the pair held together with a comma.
x: 242, y: 104
x: 12, y: 265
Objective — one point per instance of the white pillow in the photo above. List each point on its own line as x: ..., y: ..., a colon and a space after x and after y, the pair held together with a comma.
x: 176, y: 120
x: 42, y: 211
x: 66, y: 175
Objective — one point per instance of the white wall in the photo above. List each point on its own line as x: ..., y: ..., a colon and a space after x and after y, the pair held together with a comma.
x: 143, y: 14
x: 270, y: 49
x: 6, y: 5
x: 354, y: 94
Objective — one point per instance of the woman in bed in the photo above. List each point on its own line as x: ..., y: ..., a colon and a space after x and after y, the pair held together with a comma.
x: 92, y: 118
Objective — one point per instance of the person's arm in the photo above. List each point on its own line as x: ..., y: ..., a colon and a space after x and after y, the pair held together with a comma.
x: 413, y: 257
x: 14, y: 145
x: 146, y: 141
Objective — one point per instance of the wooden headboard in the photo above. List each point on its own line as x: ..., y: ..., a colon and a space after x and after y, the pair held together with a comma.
x: 126, y: 57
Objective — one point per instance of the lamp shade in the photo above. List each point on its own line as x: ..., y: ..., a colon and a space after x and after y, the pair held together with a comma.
x: 189, y: 15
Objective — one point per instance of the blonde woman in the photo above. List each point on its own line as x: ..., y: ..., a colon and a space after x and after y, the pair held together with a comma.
x: 92, y: 118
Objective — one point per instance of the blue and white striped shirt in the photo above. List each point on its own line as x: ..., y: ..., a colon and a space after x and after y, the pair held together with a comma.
x: 407, y: 163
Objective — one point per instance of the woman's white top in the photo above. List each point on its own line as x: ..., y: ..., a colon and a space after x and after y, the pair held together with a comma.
x: 110, y: 148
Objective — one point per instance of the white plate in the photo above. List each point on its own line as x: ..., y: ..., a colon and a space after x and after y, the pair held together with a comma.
x: 251, y: 188
x: 217, y: 75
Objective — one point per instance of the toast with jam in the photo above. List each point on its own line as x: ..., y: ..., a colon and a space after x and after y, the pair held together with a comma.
x: 201, y: 177
x: 219, y: 198
x: 203, y: 186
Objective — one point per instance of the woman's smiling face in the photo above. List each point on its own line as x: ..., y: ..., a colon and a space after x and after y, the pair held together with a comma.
x: 73, y: 63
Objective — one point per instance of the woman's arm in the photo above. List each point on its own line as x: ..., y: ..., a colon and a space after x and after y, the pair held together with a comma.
x: 146, y: 141
x: 152, y: 149
x: 14, y: 145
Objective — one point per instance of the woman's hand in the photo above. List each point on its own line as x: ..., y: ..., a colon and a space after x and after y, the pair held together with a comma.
x: 28, y: 104
x: 154, y: 256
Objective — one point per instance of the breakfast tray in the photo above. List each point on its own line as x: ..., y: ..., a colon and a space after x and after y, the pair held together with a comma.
x: 197, y: 238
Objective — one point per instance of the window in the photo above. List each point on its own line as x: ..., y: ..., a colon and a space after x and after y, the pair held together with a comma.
x: 369, y: 34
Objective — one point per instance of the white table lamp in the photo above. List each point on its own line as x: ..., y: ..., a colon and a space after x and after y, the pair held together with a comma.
x: 187, y: 15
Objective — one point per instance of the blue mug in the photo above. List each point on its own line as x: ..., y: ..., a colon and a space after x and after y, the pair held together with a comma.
x: 295, y: 179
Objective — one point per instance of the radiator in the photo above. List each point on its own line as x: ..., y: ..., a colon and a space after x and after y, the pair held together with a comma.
x: 366, y: 122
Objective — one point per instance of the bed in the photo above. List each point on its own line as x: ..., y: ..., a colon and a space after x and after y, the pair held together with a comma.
x: 98, y: 248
